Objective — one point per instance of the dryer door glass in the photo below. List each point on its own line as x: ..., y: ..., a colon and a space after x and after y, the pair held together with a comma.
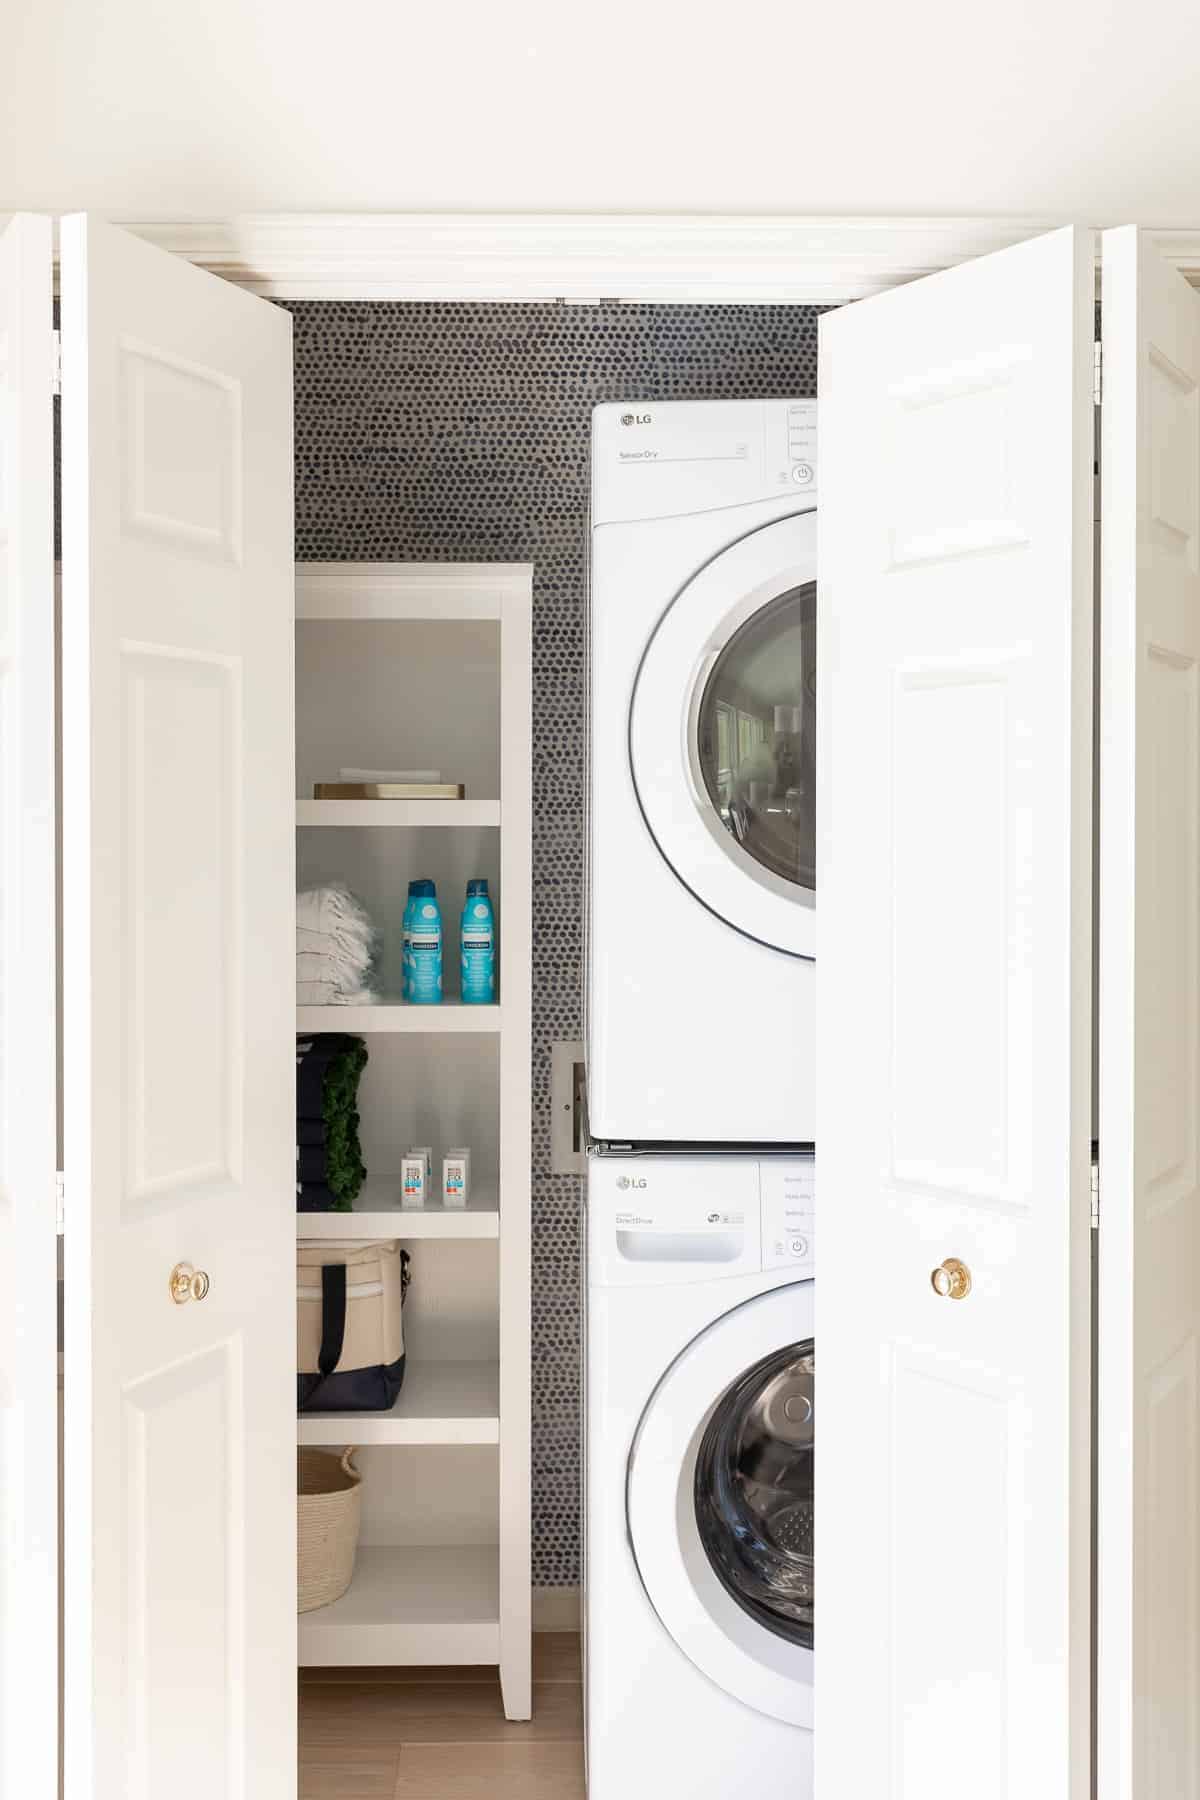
x: 754, y: 1492
x: 756, y: 731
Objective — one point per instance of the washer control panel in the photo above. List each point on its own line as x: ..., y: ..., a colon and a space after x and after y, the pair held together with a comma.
x: 787, y: 1191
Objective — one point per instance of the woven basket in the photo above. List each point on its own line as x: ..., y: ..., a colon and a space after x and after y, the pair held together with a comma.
x: 330, y: 1506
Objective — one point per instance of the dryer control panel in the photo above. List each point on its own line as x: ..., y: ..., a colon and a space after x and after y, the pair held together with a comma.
x: 661, y: 459
x: 788, y: 1209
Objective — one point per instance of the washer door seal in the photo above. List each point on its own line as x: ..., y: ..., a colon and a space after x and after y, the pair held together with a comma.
x: 700, y: 814
x: 729, y: 1646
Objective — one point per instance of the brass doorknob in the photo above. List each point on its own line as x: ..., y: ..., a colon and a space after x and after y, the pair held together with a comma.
x: 187, y: 1283
x: 952, y: 1279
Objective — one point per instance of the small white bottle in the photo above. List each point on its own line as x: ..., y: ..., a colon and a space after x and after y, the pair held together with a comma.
x: 414, y: 1179
x: 456, y: 1177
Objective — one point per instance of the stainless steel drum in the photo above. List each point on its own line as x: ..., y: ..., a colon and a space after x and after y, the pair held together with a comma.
x: 754, y: 1491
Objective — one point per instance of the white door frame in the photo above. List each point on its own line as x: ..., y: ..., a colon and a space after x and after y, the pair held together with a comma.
x: 715, y: 258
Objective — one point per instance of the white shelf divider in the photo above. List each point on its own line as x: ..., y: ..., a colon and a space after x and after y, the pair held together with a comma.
x: 416, y: 1604
x: 450, y: 1015
x: 439, y: 1403
x: 376, y: 814
x: 378, y: 1213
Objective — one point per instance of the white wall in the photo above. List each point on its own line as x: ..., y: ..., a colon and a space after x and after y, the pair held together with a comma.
x: 1051, y: 108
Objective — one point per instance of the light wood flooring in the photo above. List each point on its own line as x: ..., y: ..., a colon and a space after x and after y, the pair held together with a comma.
x: 441, y: 1734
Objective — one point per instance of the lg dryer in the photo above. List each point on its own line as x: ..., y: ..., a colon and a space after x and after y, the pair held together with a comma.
x: 701, y: 891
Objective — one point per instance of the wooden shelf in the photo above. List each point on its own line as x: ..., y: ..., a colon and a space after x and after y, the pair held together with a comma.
x: 449, y: 1015
x: 378, y: 1213
x: 417, y: 1604
x: 396, y: 814
x: 440, y: 1403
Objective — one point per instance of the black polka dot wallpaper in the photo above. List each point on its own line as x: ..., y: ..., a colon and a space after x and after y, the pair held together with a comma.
x: 439, y: 431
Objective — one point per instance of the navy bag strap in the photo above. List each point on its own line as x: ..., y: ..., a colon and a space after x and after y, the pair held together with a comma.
x: 333, y: 1330
x: 333, y: 1318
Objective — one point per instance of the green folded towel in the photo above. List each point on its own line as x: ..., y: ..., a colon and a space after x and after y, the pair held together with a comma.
x: 330, y: 1171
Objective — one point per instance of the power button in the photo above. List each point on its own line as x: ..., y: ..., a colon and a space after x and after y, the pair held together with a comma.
x: 798, y: 1246
x: 802, y: 473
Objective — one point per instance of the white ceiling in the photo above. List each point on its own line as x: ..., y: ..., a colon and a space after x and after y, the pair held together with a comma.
x: 1054, y: 109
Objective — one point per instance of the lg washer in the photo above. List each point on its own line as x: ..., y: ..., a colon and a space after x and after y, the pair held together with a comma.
x: 700, y: 1573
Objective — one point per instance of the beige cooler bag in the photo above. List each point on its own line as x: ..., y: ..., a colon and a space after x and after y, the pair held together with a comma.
x: 349, y: 1324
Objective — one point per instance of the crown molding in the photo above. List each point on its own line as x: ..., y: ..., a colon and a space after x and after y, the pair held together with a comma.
x: 585, y: 257
x: 589, y: 257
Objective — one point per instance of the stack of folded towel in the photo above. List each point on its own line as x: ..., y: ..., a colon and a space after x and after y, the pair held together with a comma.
x: 329, y: 1164
x: 335, y: 949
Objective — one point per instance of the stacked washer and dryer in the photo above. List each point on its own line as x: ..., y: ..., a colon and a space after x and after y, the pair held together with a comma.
x: 700, y: 1062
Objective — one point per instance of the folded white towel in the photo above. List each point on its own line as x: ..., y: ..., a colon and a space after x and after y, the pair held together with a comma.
x: 315, y: 993
x: 312, y: 965
x: 327, y: 993
x: 335, y: 948
x: 323, y: 942
x: 334, y: 910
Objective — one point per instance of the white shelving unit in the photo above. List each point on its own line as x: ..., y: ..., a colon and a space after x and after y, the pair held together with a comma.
x: 375, y: 813
x: 378, y: 1213
x: 412, y: 1605
x: 440, y: 1403
x: 428, y: 665
x: 434, y: 1021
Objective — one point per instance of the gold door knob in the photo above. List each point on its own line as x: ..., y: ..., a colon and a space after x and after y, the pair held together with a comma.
x: 187, y: 1283
x: 952, y: 1279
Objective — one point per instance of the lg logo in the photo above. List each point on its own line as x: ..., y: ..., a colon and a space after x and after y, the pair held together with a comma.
x: 636, y: 419
x: 631, y: 1181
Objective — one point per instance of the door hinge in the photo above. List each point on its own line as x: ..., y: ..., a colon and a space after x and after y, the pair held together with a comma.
x: 1095, y: 1196
x: 56, y: 363
x: 60, y: 1194
x: 1097, y: 371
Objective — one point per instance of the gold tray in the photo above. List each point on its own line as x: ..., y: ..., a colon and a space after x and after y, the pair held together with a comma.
x: 389, y: 790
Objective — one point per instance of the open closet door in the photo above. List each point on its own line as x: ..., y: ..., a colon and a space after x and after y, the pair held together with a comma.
x: 179, y: 1079
x: 953, y: 1305
x: 1149, y: 1328
x: 28, y: 1233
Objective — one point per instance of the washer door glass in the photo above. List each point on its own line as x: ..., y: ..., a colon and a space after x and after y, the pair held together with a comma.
x: 718, y: 1501
x: 754, y: 1492
x: 756, y: 735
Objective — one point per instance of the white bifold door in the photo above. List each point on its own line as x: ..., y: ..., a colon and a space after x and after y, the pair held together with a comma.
x: 179, y: 1030
x: 955, y: 1628
x: 178, y: 1024
x: 177, y: 1470
x: 1149, y: 1347
x: 28, y: 1239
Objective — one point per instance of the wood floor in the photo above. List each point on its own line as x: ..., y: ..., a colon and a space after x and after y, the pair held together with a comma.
x: 441, y: 1734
